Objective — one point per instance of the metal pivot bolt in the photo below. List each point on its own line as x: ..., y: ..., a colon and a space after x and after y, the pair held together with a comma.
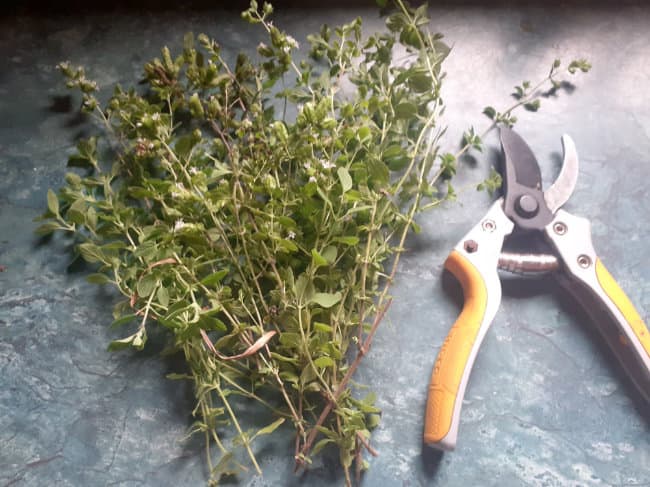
x: 526, y: 206
x: 470, y: 246
x: 559, y: 228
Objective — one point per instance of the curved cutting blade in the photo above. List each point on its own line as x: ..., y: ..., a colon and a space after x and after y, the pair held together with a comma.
x: 563, y: 187
x: 523, y: 200
x: 520, y: 162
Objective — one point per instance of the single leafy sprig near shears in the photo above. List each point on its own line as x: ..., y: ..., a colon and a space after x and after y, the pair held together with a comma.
x: 475, y: 261
x: 527, y: 95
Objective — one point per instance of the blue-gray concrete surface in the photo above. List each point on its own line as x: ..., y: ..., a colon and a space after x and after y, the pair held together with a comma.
x: 546, y: 405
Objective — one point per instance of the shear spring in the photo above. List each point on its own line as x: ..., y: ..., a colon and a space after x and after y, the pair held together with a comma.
x: 528, y: 263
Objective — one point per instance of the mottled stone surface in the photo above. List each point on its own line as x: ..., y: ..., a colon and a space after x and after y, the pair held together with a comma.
x: 546, y: 404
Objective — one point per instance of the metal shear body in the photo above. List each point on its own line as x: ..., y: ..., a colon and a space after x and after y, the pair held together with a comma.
x: 526, y: 209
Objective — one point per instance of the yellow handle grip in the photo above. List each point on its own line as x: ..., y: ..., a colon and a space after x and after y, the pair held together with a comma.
x: 624, y: 305
x: 447, y: 385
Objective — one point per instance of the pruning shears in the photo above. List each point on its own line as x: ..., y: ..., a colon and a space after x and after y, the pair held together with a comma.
x: 526, y: 211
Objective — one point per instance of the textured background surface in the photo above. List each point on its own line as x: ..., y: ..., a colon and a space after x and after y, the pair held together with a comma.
x: 546, y: 404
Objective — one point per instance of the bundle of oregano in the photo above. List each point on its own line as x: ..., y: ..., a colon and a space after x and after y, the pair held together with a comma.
x: 265, y: 244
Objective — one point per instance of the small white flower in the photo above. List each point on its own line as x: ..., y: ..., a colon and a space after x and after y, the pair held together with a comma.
x: 312, y: 179
x: 179, y: 224
x: 307, y: 165
x: 292, y: 42
x: 326, y: 164
x: 291, y: 235
x: 139, y: 124
x: 193, y: 170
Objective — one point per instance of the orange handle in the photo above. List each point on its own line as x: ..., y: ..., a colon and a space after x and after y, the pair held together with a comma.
x: 455, y: 358
x: 624, y: 305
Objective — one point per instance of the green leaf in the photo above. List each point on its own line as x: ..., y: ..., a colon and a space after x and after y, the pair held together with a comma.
x: 420, y: 81
x: 286, y: 221
x: 184, y: 145
x: 91, y: 253
x: 176, y: 309
x: 326, y: 300
x: 367, y: 404
x: 77, y: 212
x: 286, y: 245
x: 86, y: 155
x: 532, y: 106
x: 347, y: 240
x: 211, y: 323
x: 492, y: 183
x: 490, y: 112
x: 352, y: 196
x: 307, y: 375
x: 137, y: 341
x: 196, y: 108
x: 48, y: 228
x: 290, y: 360
x: 373, y: 421
x: 177, y: 376
x: 52, y: 202
x: 98, y: 278
x: 364, y: 134
x: 270, y: 428
x: 91, y: 218
x: 329, y: 253
x: 123, y: 320
x: 304, y: 288
x: 471, y: 138
x: 290, y: 339
x: 72, y: 179
x: 579, y: 64
x: 406, y: 110
x: 280, y: 130
x: 323, y: 362
x: 214, y: 278
x: 379, y: 174
x: 447, y: 165
x: 396, y: 158
x: 396, y: 22
x: 163, y: 296
x: 318, y: 326
x: 344, y: 178
x: 317, y: 260
x: 146, y: 285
